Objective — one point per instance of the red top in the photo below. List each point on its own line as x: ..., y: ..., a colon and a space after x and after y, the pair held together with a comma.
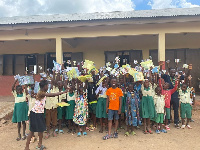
x: 168, y: 93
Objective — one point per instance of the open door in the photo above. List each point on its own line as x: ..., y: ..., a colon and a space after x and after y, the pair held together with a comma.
x: 19, y: 65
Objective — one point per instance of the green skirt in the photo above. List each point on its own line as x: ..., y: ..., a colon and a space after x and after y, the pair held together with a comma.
x: 61, y: 112
x: 101, y: 108
x: 147, y: 108
x: 20, y: 112
x: 70, y: 110
x: 123, y: 104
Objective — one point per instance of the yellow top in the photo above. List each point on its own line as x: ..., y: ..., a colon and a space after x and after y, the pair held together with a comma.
x: 103, y: 95
x: 185, y: 96
x: 71, y: 98
x: 51, y: 102
x: 19, y: 99
x: 150, y: 91
x: 159, y: 102
x: 61, y: 97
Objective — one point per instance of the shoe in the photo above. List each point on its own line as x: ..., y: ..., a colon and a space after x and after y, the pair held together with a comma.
x: 61, y: 131
x: 85, y: 133
x: 183, y: 127
x: 150, y: 132
x: 56, y: 130
x: 189, y: 127
x: 126, y: 134
x: 107, y: 137
x: 133, y: 133
x: 79, y: 134
x: 163, y: 130
x: 167, y: 127
x: 115, y: 135
x: 191, y: 120
x: 177, y: 126
x: 157, y: 131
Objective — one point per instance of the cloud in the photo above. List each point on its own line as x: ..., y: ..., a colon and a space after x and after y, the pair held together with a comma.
x: 10, y: 8
x: 185, y: 4
x: 160, y: 4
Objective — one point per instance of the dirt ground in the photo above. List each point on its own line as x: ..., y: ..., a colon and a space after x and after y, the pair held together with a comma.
x: 184, y: 139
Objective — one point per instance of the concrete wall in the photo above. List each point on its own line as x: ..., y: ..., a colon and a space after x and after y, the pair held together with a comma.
x: 94, y: 48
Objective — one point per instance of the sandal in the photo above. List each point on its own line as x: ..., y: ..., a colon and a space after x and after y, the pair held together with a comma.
x: 101, y: 130
x: 133, y: 133
x: 150, y: 132
x: 145, y: 132
x: 33, y: 139
x: 61, y: 131
x: 167, y: 127
x: 177, y: 126
x: 92, y: 128
x: 126, y: 134
x: 79, y: 134
x: 85, y: 133
x: 41, y: 147
x: 163, y: 130
x: 189, y: 127
x: 107, y: 137
x: 18, y: 138
x: 47, y: 136
x: 158, y: 131
x: 54, y: 134
x: 115, y: 135
x: 24, y: 137
x: 106, y: 128
x: 69, y: 131
x: 88, y: 129
x: 183, y: 127
x: 74, y: 131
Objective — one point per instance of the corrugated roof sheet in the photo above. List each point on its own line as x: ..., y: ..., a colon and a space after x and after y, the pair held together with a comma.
x: 172, y: 12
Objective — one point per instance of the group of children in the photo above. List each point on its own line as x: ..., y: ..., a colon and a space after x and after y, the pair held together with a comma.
x: 108, y: 99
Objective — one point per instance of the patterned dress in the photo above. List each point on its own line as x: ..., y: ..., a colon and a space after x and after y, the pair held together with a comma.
x: 81, y: 110
x: 132, y: 109
x: 137, y: 94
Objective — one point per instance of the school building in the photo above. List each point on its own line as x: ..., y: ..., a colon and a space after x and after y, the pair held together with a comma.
x: 165, y: 34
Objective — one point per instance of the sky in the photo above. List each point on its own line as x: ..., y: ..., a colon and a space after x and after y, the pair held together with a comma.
x: 9, y: 8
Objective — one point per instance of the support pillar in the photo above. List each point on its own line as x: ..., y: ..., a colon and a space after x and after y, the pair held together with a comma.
x: 161, y: 49
x: 59, y: 52
x: 145, y: 54
x: 1, y: 64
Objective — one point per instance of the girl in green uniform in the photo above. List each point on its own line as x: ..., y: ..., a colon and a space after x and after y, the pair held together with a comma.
x: 60, y: 110
x: 20, y: 113
x: 70, y: 109
x: 101, y: 105
x: 147, y: 105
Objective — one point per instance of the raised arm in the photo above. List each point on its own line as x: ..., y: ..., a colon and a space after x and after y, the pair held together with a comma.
x: 13, y: 86
x: 54, y: 94
x: 25, y: 88
x: 175, y: 87
x: 160, y: 84
x: 189, y: 80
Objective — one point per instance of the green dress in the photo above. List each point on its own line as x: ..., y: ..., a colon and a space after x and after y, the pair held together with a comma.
x: 61, y: 110
x: 147, y: 107
x: 20, y: 112
x: 123, y: 103
x: 70, y: 109
x: 101, y: 108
